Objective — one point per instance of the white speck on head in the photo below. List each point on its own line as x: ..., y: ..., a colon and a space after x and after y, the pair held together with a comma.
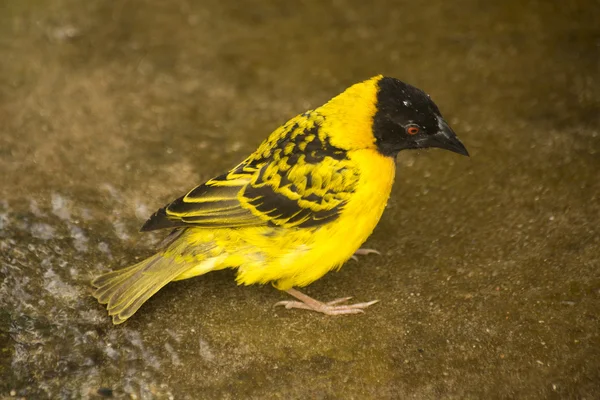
x: 407, y: 103
x: 441, y: 123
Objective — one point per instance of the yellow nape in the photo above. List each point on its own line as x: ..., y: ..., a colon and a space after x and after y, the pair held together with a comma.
x: 350, y: 116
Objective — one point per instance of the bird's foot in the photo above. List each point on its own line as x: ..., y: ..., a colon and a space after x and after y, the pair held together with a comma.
x: 364, y: 252
x: 329, y: 308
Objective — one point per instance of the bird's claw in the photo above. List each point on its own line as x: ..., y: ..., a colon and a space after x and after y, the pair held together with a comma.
x: 329, y: 308
x: 364, y: 252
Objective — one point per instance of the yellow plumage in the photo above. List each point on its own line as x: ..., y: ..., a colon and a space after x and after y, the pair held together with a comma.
x: 299, y: 206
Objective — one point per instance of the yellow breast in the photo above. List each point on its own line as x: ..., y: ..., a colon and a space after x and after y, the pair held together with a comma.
x: 301, y: 256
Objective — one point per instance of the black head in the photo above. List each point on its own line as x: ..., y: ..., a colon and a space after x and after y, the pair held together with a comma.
x: 407, y: 118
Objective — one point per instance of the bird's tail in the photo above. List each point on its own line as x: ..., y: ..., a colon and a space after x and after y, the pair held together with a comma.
x: 124, y: 291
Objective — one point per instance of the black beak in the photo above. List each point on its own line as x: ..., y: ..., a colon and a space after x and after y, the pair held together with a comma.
x: 446, y: 139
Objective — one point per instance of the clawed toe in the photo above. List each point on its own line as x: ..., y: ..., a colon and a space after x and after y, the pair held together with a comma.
x: 364, y: 252
x: 330, y: 308
x: 289, y: 304
x: 338, y: 301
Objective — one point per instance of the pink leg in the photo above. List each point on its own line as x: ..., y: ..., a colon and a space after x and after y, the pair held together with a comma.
x: 329, y: 308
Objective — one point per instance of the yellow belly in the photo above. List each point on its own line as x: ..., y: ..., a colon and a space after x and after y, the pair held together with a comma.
x: 297, y: 257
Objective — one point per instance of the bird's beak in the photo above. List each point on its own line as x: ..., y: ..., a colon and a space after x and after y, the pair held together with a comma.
x: 446, y: 139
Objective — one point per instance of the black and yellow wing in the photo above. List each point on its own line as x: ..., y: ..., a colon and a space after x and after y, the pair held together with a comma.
x: 296, y: 178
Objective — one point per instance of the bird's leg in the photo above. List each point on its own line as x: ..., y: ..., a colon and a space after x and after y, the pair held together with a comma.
x: 329, y: 308
x: 364, y: 252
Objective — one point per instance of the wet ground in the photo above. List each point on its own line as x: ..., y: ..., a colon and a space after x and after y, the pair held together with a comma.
x: 489, y: 275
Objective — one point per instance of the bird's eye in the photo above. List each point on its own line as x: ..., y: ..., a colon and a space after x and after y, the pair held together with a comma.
x: 412, y: 129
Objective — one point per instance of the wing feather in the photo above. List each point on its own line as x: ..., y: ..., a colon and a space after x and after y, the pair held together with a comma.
x: 296, y: 178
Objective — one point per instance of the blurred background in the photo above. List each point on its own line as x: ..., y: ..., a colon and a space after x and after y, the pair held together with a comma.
x: 488, y: 277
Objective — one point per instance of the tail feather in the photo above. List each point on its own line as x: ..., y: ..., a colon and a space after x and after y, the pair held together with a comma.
x: 108, y: 285
x: 124, y: 291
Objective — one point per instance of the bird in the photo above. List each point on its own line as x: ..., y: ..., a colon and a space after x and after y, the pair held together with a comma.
x: 298, y: 207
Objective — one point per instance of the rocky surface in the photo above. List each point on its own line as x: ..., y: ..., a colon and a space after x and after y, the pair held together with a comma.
x: 489, y: 274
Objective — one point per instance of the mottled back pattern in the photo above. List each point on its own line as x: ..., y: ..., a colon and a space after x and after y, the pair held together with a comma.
x: 296, y: 178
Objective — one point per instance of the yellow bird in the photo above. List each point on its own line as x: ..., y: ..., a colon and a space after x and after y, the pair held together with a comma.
x: 298, y: 207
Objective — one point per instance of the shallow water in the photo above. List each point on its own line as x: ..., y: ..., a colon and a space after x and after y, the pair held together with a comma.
x: 488, y: 277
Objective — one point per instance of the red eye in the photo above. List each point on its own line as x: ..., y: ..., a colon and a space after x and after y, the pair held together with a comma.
x: 412, y: 130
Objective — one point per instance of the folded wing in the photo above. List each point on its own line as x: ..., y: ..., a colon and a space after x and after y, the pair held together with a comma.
x: 296, y: 178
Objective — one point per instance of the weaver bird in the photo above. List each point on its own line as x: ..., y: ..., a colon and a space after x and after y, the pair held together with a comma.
x: 298, y: 207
